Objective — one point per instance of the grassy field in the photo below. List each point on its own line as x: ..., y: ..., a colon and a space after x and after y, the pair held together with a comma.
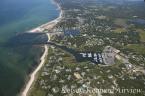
x: 120, y: 22
x: 137, y: 48
x: 142, y: 34
x: 119, y: 30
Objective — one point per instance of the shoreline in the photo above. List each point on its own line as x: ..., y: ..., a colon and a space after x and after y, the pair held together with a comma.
x: 32, y: 76
x: 41, y: 28
x: 49, y: 25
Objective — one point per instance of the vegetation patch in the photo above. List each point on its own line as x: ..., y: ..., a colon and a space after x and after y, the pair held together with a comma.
x: 140, y: 49
x: 120, y: 30
x: 120, y: 22
x: 141, y: 34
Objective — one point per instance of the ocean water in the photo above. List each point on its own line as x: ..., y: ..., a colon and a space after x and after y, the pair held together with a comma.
x: 16, y: 61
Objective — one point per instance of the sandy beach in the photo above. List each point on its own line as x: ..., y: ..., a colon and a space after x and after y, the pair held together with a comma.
x: 50, y: 24
x: 41, y: 28
x: 32, y: 76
